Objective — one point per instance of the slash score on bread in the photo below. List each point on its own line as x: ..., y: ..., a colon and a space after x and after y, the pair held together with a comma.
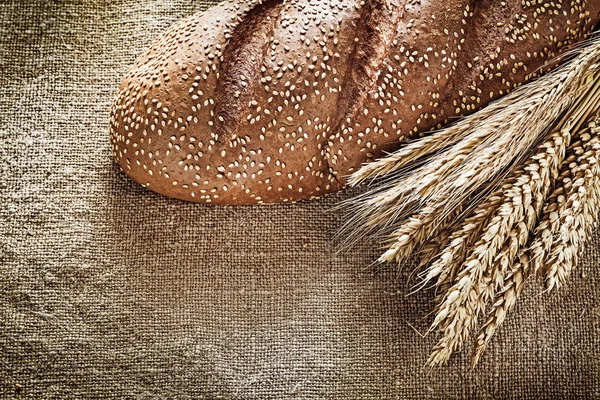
x: 279, y: 100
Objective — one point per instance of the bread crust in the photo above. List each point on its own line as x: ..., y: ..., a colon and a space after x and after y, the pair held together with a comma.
x: 278, y: 101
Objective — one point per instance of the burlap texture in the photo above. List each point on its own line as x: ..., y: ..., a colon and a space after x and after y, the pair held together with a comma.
x: 110, y: 291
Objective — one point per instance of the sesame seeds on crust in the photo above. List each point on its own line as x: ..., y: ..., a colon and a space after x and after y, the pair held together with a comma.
x: 207, y: 117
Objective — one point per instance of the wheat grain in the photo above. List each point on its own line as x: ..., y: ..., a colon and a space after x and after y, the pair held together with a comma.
x: 505, y: 301
x: 556, y: 209
x: 542, y: 239
x: 459, y: 241
x: 473, y: 192
x: 578, y: 214
x: 472, y: 153
x: 434, y: 246
x: 507, y: 230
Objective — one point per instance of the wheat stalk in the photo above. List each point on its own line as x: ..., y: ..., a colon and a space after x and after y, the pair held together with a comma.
x: 505, y: 301
x: 486, y: 268
x: 543, y: 234
x: 568, y: 203
x: 460, y: 240
x: 473, y: 152
x: 473, y: 288
x: 469, y: 196
x: 578, y: 214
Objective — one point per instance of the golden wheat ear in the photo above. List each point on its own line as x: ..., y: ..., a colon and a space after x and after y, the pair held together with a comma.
x: 506, y: 192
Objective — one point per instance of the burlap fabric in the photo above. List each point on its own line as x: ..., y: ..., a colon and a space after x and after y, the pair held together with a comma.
x: 110, y: 291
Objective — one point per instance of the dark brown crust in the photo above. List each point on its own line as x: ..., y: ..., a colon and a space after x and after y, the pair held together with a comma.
x: 330, y: 85
x: 240, y: 68
x: 376, y: 30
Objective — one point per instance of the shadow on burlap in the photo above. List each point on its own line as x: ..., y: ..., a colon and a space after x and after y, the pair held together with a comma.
x: 110, y: 291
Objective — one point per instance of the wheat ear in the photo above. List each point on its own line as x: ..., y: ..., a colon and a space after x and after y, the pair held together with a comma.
x: 474, y: 192
x: 473, y: 287
x: 490, y: 141
x: 578, y: 214
x: 583, y: 156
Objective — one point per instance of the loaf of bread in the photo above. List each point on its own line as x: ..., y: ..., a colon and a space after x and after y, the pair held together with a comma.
x: 279, y: 100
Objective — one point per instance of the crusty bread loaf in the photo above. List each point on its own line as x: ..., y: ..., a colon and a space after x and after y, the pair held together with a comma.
x: 277, y: 100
